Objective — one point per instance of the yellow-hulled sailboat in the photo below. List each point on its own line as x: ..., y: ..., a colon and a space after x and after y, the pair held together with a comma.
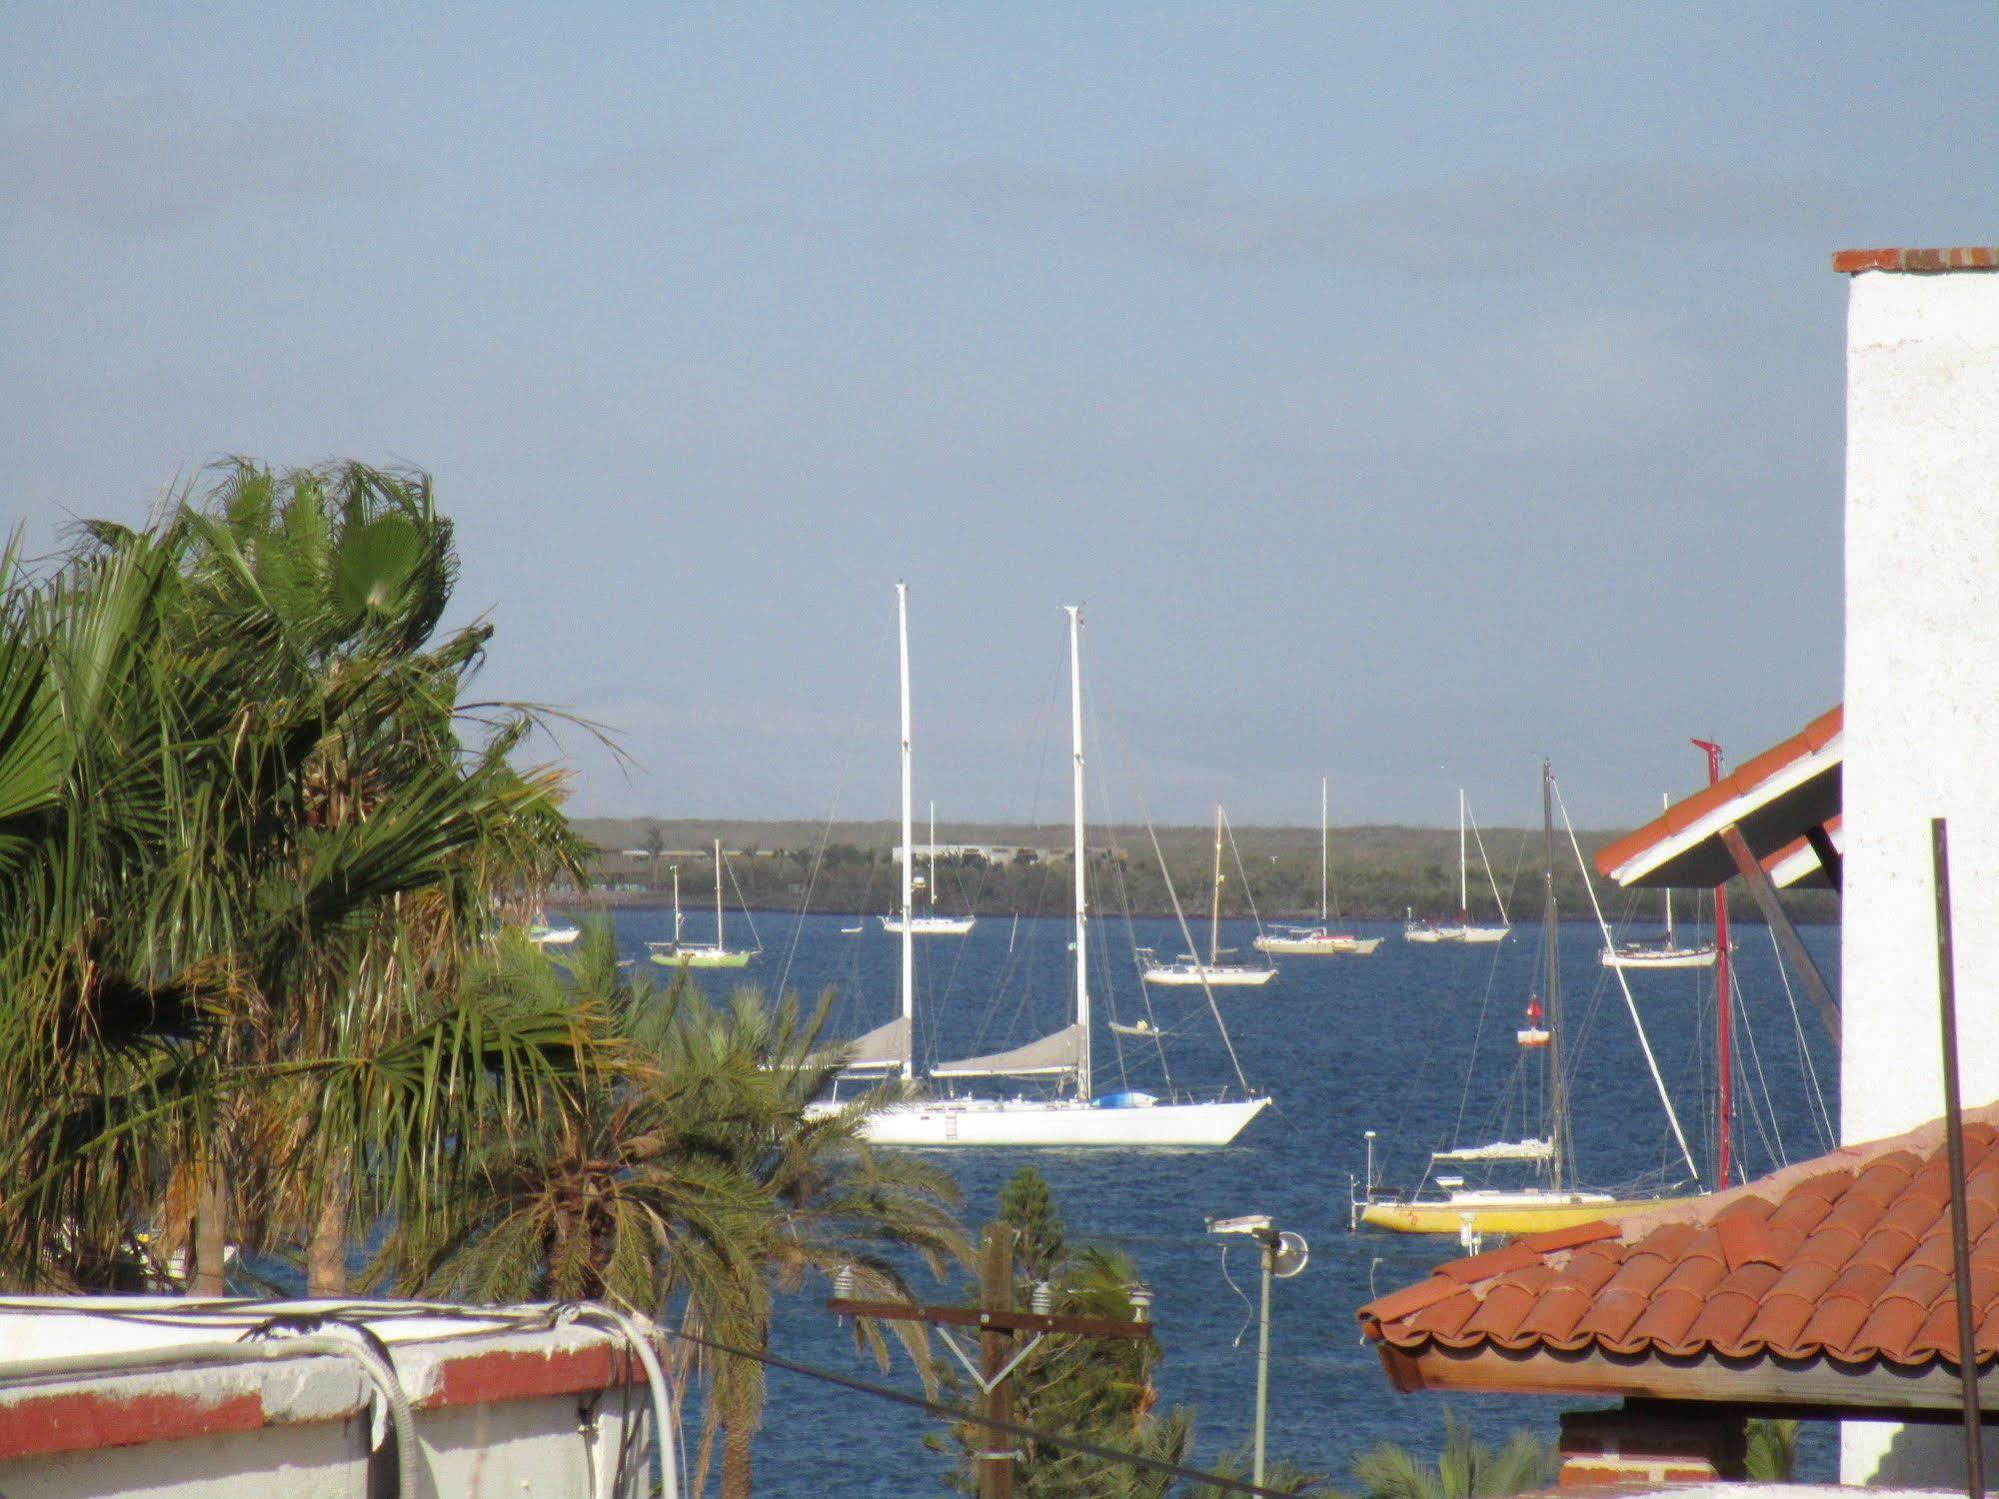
x: 1555, y: 1201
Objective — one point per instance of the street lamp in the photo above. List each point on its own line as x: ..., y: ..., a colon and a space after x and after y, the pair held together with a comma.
x: 1282, y: 1255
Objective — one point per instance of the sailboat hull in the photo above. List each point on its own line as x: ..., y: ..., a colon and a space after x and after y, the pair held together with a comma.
x: 1317, y: 945
x: 1187, y: 976
x: 1524, y: 1212
x: 699, y: 958
x: 930, y: 926
x: 1677, y: 957
x: 1058, y: 1123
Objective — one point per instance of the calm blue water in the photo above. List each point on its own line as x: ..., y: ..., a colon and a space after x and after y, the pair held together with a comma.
x: 1344, y: 1045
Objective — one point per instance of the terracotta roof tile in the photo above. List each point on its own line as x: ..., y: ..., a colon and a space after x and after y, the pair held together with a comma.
x: 1884, y: 1249
x: 1666, y: 1319
x: 1570, y: 1238
x: 1591, y: 1270
x: 1412, y: 1299
x: 1493, y: 1262
x: 1501, y: 1312
x: 1446, y: 1319
x: 1612, y: 1313
x: 1799, y: 1213
x: 1780, y: 1322
x: 1914, y: 1216
x: 1723, y: 1321
x: 1745, y: 1237
x: 1847, y: 1257
x: 1554, y: 1317
x: 1833, y: 1325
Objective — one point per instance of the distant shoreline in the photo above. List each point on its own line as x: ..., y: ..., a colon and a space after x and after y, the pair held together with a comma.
x: 572, y: 905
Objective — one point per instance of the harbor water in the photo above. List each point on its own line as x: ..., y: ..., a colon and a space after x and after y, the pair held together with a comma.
x: 1414, y: 1042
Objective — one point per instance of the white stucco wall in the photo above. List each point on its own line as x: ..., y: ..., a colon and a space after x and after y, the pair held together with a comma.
x: 1922, y: 720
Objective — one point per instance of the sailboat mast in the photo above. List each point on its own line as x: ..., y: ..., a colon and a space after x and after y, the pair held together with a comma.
x: 1323, y: 918
x: 1724, y: 1060
x: 906, y: 984
x: 676, y: 905
x: 1076, y: 790
x: 1666, y: 804
x: 1215, y: 910
x: 1558, y: 1104
x: 930, y: 891
x: 1464, y: 888
x: 719, y: 943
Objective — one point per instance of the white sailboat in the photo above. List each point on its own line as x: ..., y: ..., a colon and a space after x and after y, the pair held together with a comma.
x: 1320, y: 941
x: 1125, y: 1118
x: 1190, y: 972
x: 1464, y: 930
x: 1665, y: 953
x: 716, y: 954
x: 926, y: 923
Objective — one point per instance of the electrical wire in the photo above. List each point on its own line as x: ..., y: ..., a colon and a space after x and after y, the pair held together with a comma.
x: 974, y: 1418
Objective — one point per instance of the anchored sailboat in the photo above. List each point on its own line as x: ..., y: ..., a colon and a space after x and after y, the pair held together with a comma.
x: 1554, y: 1202
x: 1463, y: 930
x: 927, y: 923
x: 716, y: 954
x: 1320, y: 941
x: 1667, y: 953
x: 1126, y: 1118
x: 1189, y: 971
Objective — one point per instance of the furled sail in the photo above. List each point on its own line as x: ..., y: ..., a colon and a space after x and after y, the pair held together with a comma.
x: 1060, y: 1052
x: 882, y: 1049
x: 1503, y: 1150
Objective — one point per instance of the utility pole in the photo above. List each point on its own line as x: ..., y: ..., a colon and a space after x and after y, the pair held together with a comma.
x: 995, y: 1343
x: 1000, y: 1329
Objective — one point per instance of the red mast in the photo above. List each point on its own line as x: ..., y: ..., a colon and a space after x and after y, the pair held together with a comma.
x: 1723, y: 991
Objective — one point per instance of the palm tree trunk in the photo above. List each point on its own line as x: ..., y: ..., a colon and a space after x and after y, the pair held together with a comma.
x: 735, y: 1459
x: 211, y: 1231
x: 326, y: 1252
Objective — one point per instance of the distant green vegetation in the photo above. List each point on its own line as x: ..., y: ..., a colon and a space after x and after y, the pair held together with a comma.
x: 1377, y: 872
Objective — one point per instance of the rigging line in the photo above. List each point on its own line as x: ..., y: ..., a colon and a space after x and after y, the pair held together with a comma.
x: 1822, y: 1117
x: 1242, y: 874
x: 1179, y: 914
x: 1644, y: 1043
x: 1118, y: 863
x: 1773, y: 1133
x: 736, y: 886
x: 818, y: 858
x: 1479, y: 839
x: 975, y: 1418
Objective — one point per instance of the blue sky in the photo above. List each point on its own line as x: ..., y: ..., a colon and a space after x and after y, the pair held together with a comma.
x: 1406, y: 392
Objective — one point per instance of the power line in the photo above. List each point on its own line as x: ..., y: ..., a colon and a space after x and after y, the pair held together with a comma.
x: 1008, y: 1428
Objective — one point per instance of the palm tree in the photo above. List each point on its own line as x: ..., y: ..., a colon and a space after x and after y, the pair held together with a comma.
x: 242, y: 841
x: 1771, y: 1454
x: 1464, y: 1469
x: 835, y: 1207
x: 684, y: 1173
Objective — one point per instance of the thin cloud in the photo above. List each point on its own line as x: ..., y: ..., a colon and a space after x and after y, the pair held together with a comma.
x: 163, y: 162
x: 1191, y: 212
x: 630, y: 171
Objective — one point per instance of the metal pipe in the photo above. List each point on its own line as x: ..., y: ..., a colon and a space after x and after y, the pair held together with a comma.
x: 1269, y: 1257
x: 1953, y: 1134
x: 665, y: 1433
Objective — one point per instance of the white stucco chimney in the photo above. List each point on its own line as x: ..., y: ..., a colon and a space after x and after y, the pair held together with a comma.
x: 1922, y: 713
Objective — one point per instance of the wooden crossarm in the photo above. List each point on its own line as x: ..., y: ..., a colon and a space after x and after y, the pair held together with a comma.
x: 1009, y: 1321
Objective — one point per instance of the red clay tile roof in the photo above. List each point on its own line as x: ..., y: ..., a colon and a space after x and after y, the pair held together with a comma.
x: 1846, y: 1257
x: 1631, y: 859
x: 1959, y: 258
